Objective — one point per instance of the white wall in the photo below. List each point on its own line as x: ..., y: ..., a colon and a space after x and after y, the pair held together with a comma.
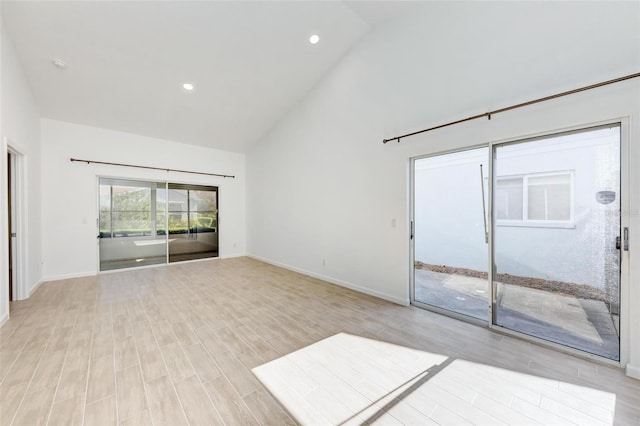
x: 20, y: 127
x: 69, y: 189
x: 322, y: 185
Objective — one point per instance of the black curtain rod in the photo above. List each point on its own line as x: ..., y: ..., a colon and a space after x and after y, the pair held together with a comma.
x: 509, y: 108
x: 152, y: 168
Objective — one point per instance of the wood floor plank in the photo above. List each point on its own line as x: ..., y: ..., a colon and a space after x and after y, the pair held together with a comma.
x: 102, y: 412
x: 101, y: 379
x: 266, y: 409
x: 142, y: 419
x: 131, y: 395
x: 125, y: 353
x: 204, y: 365
x: 23, y: 370
x: 68, y: 412
x: 48, y: 371
x: 184, y: 333
x: 60, y: 339
x: 196, y: 403
x: 73, y: 380
x: 102, y: 344
x: 177, y: 362
x: 10, y: 401
x: 151, y: 362
x: 35, y: 407
x: 240, y: 378
x: 164, y: 404
x: 231, y: 407
x: 163, y: 332
x: 7, y: 359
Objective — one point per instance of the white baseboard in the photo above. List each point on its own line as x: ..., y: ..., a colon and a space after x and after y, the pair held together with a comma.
x: 68, y: 276
x: 633, y: 371
x: 4, y: 319
x: 231, y: 256
x: 34, y: 288
x: 360, y: 289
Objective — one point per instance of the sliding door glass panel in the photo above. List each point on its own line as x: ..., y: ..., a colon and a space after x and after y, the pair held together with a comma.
x: 557, y: 221
x: 450, y: 246
x: 128, y: 221
x: 193, y: 222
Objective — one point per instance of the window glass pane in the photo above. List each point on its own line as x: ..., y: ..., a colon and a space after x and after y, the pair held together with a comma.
x: 559, y: 202
x: 537, y: 203
x: 509, y: 199
x: 131, y: 198
x: 161, y: 205
x: 178, y: 200
x: 549, y: 197
x: 558, y: 277
x: 105, y: 211
x: 450, y: 246
x: 203, y: 210
x: 128, y: 222
x: 178, y: 211
x: 192, y: 222
x: 178, y: 222
x: 202, y: 201
x: 131, y: 223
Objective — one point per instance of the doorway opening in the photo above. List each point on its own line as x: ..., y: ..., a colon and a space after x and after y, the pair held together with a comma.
x: 14, y: 212
x: 525, y: 237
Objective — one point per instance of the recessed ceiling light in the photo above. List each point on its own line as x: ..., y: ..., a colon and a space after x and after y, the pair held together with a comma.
x: 188, y: 86
x: 59, y: 63
x: 314, y: 39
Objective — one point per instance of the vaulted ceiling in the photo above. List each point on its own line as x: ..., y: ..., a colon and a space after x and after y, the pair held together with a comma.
x: 127, y: 61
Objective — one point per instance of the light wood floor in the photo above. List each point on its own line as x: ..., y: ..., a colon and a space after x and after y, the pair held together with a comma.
x: 177, y: 344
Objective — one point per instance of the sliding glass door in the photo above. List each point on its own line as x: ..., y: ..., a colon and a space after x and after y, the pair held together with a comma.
x: 556, y: 239
x: 450, y: 232
x: 145, y: 223
x: 553, y: 235
x: 193, y: 222
x: 132, y: 225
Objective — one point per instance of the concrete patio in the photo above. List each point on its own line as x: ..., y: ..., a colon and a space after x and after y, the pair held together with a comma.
x: 583, y: 324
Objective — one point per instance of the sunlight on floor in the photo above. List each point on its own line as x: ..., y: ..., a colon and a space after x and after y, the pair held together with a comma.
x: 350, y: 380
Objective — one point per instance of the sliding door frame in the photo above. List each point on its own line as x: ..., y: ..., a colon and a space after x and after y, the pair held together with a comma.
x: 624, y: 123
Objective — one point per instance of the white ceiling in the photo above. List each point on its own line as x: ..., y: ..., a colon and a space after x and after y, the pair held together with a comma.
x: 250, y: 61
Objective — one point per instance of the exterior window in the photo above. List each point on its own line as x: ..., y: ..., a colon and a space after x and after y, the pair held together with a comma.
x: 544, y: 200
